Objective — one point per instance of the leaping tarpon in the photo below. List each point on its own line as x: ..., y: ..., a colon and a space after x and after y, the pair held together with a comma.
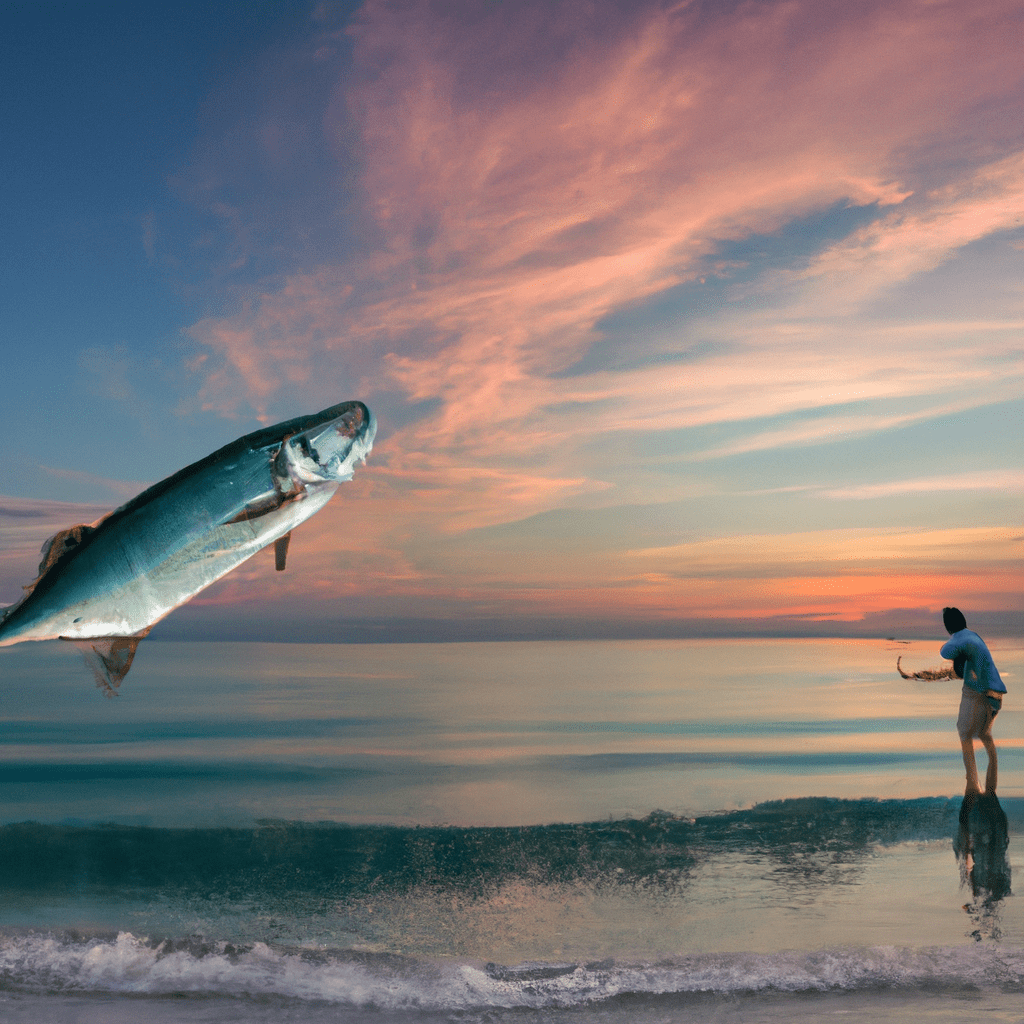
x: 104, y: 585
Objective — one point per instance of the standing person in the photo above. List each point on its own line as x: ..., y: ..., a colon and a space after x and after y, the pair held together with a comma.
x: 982, y: 695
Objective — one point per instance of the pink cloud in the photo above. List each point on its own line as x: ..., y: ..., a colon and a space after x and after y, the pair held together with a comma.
x: 911, y: 242
x: 527, y: 169
x: 521, y: 186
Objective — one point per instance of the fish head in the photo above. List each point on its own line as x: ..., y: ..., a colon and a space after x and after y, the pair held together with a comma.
x: 329, y: 449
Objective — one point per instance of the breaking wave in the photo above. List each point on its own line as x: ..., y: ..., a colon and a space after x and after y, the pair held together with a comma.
x: 292, y: 860
x: 295, y: 911
x: 126, y: 964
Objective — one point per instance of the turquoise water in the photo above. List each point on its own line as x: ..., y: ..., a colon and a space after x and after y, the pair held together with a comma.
x: 429, y: 830
x: 479, y: 734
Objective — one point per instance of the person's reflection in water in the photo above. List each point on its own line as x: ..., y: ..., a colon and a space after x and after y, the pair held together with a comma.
x: 980, y: 848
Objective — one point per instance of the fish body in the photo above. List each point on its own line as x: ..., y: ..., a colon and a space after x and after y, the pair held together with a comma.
x: 119, y: 576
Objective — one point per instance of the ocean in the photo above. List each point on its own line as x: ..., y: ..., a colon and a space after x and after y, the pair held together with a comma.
x: 651, y: 831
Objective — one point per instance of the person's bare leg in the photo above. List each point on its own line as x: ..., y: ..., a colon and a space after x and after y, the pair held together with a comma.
x: 971, y: 765
x: 991, y: 775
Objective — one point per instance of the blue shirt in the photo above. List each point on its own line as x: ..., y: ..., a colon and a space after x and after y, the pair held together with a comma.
x: 980, y: 672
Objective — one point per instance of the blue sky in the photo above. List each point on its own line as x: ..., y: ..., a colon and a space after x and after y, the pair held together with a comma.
x: 107, y: 108
x: 670, y: 314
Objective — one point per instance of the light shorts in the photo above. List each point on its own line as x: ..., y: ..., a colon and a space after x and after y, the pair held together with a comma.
x: 976, y: 714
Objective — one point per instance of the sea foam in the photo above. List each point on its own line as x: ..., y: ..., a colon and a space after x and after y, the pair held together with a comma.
x: 127, y: 964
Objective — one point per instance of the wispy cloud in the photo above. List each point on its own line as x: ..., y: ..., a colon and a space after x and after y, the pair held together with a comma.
x: 512, y: 217
x: 1007, y: 480
x: 919, y: 237
x: 752, y: 553
x: 527, y: 171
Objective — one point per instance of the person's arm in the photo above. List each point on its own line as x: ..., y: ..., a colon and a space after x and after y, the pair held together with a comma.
x: 953, y: 651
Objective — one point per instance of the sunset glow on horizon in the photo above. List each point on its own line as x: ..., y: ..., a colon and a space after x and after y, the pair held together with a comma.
x: 669, y: 312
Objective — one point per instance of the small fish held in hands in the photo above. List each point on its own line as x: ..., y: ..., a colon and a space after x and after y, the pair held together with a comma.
x: 931, y: 674
x: 106, y: 584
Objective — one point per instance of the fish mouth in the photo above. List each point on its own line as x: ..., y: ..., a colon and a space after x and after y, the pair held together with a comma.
x: 356, y: 423
x: 330, y: 449
x: 356, y: 420
x: 358, y: 426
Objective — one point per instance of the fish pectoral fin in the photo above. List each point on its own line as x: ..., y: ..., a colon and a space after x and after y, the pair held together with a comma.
x: 255, y: 509
x: 281, y: 551
x: 265, y: 505
x: 109, y: 658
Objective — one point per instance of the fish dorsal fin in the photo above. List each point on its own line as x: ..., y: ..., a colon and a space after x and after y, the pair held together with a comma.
x: 52, y: 550
x: 109, y: 657
x: 58, y: 544
x: 281, y: 551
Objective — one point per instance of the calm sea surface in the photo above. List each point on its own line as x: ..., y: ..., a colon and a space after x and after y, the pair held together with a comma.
x: 648, y: 830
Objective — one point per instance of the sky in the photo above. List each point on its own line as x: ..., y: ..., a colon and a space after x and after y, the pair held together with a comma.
x: 698, y: 318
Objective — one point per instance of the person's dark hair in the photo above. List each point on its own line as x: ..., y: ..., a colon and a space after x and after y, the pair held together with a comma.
x: 953, y: 619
